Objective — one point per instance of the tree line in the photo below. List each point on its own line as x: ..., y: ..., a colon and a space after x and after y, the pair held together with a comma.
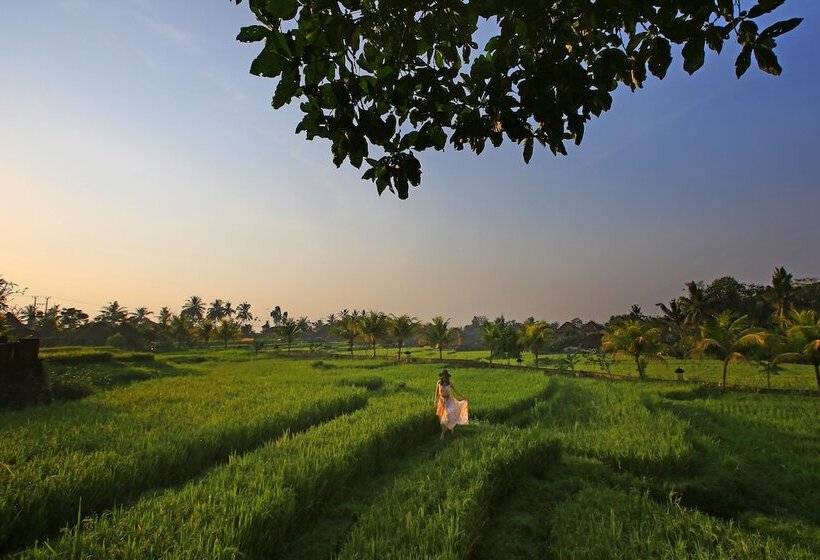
x: 724, y: 319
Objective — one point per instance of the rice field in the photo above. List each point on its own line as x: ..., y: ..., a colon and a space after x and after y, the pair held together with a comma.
x: 708, y: 370
x: 268, y: 457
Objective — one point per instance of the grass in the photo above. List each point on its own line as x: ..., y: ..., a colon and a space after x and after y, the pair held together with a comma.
x: 110, y: 447
x: 707, y: 370
x: 600, y: 522
x: 268, y: 457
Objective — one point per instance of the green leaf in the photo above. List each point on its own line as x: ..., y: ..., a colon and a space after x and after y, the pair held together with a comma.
x: 282, y: 9
x: 661, y: 57
x: 714, y: 38
x: 267, y: 65
x: 781, y: 27
x: 744, y: 60
x: 727, y: 8
x: 528, y: 145
x: 693, y: 54
x: 764, y: 7
x: 252, y: 34
x: 767, y: 60
x: 287, y: 87
x: 439, y: 59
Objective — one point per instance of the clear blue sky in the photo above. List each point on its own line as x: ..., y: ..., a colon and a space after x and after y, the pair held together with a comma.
x: 140, y: 161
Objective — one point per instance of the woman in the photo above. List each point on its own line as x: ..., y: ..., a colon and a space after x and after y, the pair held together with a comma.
x: 450, y: 411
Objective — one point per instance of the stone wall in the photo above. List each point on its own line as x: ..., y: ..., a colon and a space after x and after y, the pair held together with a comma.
x: 22, y: 377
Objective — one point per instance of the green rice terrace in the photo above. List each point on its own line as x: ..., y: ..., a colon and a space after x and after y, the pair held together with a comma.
x: 228, y: 454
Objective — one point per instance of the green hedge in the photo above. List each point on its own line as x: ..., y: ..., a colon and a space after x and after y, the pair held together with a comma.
x: 79, y: 355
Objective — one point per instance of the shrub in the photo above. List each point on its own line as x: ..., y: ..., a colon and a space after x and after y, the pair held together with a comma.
x: 116, y: 340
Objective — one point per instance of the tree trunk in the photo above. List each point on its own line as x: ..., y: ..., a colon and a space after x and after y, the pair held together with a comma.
x: 725, y: 367
x: 350, y: 346
x: 817, y: 374
x: 398, y: 356
x: 439, y: 352
x: 535, y: 355
x: 638, y: 365
x: 374, y: 347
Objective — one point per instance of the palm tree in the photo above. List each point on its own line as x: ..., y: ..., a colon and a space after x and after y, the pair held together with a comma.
x: 373, y: 326
x: 112, y: 314
x: 140, y: 315
x: 674, y: 317
x: 216, y: 311
x: 347, y: 328
x: 228, y: 330
x: 729, y: 337
x: 535, y: 335
x: 182, y: 329
x: 193, y: 309
x: 437, y: 333
x: 803, y: 341
x: 694, y: 305
x: 229, y: 310
x: 28, y: 315
x: 492, y: 334
x: 289, y: 330
x: 205, y: 330
x: 780, y: 294
x: 164, y: 317
x: 243, y: 312
x: 401, y: 328
x: 637, y: 339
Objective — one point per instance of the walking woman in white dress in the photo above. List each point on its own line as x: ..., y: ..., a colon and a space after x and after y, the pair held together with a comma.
x: 451, y: 411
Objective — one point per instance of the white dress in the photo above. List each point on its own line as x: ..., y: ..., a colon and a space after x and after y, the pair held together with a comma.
x: 451, y: 412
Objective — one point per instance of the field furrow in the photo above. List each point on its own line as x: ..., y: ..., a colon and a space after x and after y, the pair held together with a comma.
x: 438, y: 510
x: 91, y: 455
x: 248, y: 507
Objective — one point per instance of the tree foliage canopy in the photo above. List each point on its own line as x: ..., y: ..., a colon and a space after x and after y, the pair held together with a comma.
x: 384, y: 79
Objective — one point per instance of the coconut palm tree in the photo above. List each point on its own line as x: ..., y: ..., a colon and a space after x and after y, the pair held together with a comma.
x: 229, y: 310
x: 182, y: 329
x: 694, y: 305
x: 402, y: 328
x: 112, y: 314
x: 729, y: 338
x: 491, y: 333
x: 243, y: 312
x: 674, y: 317
x: 348, y: 328
x: 193, y: 309
x: 534, y: 336
x: 803, y: 341
x: 780, y: 295
x: 289, y: 330
x: 637, y: 339
x: 373, y: 326
x: 205, y: 330
x: 437, y: 333
x: 140, y: 315
x: 164, y: 317
x: 216, y: 311
x: 228, y: 330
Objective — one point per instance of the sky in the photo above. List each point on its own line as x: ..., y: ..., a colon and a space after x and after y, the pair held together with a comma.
x: 140, y: 161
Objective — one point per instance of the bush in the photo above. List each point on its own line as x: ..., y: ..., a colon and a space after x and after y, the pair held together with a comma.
x: 134, y: 357
x: 69, y: 356
x: 116, y: 340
